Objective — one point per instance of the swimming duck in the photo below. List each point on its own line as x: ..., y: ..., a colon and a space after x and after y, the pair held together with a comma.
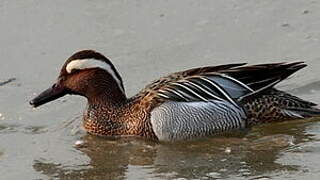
x: 184, y: 105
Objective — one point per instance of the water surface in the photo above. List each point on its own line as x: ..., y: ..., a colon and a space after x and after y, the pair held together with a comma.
x: 146, y: 39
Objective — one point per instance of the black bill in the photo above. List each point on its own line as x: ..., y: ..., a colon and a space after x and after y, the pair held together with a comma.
x: 48, y: 95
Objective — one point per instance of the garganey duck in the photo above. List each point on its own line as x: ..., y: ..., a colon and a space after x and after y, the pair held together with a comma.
x: 183, y: 105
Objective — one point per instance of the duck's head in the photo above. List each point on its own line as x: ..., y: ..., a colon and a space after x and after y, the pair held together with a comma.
x: 86, y: 73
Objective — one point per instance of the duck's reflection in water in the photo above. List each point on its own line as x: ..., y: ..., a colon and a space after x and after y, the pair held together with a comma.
x: 252, y: 156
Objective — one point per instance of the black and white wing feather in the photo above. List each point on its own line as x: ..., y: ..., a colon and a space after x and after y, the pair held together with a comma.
x: 230, y: 83
x: 210, y: 87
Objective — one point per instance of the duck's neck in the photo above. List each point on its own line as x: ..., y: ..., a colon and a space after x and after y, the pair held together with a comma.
x: 104, y: 113
x: 107, y: 96
x: 104, y: 119
x: 110, y: 113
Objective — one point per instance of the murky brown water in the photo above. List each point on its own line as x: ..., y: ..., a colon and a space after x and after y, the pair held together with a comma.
x: 147, y: 39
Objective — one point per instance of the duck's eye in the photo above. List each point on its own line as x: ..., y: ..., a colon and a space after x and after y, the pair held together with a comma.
x: 75, y: 71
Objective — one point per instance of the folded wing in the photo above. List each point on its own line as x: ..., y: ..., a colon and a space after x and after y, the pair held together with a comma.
x: 229, y: 83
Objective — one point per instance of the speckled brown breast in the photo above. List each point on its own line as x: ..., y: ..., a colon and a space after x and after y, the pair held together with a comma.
x: 128, y: 120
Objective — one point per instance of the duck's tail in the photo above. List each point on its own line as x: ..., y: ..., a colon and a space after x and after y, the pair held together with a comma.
x: 302, y: 112
x: 275, y: 105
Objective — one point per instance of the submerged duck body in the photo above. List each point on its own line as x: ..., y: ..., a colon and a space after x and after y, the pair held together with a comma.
x: 184, y: 105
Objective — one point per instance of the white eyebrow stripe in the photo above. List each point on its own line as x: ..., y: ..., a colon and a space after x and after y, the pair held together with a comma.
x: 93, y: 63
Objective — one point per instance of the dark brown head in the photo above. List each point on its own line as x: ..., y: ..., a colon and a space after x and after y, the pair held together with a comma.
x: 86, y: 73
